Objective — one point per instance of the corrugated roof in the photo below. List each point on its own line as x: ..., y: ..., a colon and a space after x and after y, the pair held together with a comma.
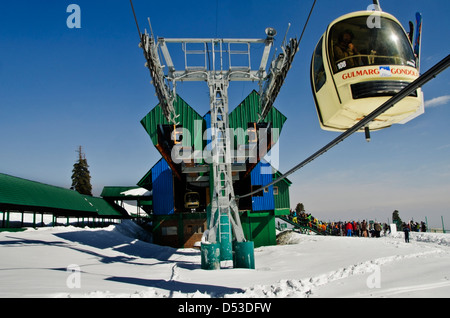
x: 26, y: 195
x: 247, y: 112
x: 21, y: 192
x: 187, y: 118
x: 146, y: 181
x: 105, y: 208
x: 278, y: 174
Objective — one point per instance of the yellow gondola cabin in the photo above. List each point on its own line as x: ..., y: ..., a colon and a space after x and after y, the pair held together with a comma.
x: 357, y: 66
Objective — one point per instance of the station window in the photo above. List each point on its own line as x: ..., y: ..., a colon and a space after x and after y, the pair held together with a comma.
x: 169, y: 230
x: 275, y: 190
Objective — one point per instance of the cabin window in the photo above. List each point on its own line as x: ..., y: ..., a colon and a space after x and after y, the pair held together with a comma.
x: 352, y: 43
x: 319, y: 70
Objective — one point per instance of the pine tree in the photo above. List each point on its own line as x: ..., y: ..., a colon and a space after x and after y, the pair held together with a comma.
x: 299, y: 208
x: 81, y: 178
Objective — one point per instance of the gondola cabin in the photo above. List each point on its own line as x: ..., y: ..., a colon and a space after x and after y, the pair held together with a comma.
x: 357, y: 66
x: 191, y: 200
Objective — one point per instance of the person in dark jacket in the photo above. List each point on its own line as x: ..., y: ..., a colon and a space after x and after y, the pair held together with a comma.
x: 364, y: 228
x: 377, y: 228
x: 406, y: 230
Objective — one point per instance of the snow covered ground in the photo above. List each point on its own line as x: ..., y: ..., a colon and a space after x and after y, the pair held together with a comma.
x: 117, y: 262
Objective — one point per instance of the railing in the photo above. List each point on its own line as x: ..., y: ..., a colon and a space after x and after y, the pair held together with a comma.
x: 305, y: 225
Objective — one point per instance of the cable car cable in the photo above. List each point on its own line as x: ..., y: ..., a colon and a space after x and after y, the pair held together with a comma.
x: 419, y: 82
x: 135, y: 19
x: 306, y: 23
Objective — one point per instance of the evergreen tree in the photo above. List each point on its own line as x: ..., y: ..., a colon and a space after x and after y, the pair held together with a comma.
x: 299, y: 208
x: 81, y: 178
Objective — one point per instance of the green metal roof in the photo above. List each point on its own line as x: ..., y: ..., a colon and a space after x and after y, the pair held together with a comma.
x: 247, y: 112
x: 187, y: 118
x: 146, y: 181
x: 26, y: 195
x: 146, y: 202
x: 278, y: 174
x: 104, y: 208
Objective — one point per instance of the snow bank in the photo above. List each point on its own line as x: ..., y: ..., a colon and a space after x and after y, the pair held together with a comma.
x: 435, y: 238
x: 116, y: 261
x: 288, y: 237
x: 132, y: 230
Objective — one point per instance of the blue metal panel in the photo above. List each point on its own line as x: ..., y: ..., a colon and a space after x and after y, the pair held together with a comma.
x: 162, y: 180
x: 261, y: 175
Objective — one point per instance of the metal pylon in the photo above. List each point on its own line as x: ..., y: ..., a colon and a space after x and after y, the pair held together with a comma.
x: 224, y: 210
x: 218, y: 70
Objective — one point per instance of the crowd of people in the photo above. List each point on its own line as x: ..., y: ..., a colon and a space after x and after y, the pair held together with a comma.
x: 352, y: 228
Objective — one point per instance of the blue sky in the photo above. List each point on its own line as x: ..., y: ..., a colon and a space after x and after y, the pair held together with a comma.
x: 61, y: 88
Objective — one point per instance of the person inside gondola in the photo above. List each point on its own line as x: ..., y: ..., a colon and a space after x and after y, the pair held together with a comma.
x: 345, y: 49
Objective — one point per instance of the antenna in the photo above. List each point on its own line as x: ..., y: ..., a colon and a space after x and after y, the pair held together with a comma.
x: 285, y: 36
x: 151, y: 29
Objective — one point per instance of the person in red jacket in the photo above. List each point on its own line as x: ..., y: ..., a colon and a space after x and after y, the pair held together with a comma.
x: 349, y: 228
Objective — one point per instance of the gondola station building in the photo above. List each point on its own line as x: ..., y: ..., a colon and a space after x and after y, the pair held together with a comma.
x: 181, y: 185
